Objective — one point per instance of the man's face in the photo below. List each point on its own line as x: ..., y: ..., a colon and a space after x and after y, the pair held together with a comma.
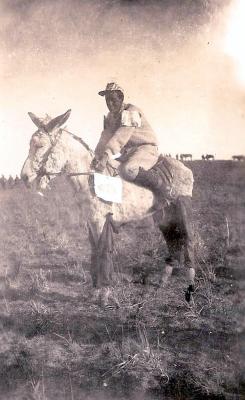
x: 114, y: 101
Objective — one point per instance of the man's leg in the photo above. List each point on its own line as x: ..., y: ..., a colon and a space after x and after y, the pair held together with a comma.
x: 144, y: 157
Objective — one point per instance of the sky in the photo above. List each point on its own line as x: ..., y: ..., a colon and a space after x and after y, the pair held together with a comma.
x: 180, y: 61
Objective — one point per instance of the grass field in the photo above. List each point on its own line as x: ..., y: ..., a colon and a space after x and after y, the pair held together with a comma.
x: 56, y: 342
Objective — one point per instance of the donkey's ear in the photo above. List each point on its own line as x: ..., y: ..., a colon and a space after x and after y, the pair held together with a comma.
x: 58, y: 121
x: 36, y: 120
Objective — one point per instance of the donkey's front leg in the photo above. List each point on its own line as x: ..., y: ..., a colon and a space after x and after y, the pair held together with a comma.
x: 102, y: 267
x: 166, y: 275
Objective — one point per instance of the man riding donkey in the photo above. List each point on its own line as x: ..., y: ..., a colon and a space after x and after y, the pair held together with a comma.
x: 128, y: 138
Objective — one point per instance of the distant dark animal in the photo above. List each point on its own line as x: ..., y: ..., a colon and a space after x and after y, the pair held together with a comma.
x: 185, y: 157
x: 209, y: 157
x: 238, y: 158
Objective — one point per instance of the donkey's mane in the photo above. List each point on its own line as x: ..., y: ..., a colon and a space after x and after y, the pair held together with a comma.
x: 80, y: 140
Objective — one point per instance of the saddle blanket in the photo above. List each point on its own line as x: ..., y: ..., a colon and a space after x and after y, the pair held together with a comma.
x: 108, y: 188
x: 176, y: 176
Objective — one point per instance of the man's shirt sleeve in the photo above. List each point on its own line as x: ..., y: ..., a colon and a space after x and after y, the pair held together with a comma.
x: 119, y: 139
x: 131, y: 118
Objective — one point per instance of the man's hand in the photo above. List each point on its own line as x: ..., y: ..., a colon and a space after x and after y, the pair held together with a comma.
x: 94, y: 163
x: 101, y: 165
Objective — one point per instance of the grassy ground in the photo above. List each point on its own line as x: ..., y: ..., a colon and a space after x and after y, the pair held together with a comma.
x: 56, y: 342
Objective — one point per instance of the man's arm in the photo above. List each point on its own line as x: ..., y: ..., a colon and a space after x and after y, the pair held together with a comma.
x: 119, y: 140
x: 129, y: 121
x: 102, y: 143
x: 114, y: 146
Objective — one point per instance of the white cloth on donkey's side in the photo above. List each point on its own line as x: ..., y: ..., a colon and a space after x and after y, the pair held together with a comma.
x: 108, y: 188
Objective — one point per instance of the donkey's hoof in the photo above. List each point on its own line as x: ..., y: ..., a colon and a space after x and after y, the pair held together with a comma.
x: 189, y: 292
x: 188, y: 296
x: 110, y: 307
x: 191, y: 288
x: 109, y: 301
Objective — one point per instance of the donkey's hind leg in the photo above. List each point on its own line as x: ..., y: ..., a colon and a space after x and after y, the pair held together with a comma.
x: 176, y: 227
x: 165, y: 220
x: 190, y: 272
x: 166, y: 274
x: 186, y: 226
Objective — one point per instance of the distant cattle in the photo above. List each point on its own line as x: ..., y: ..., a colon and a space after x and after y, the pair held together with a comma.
x: 238, y: 158
x: 184, y: 157
x: 208, y: 157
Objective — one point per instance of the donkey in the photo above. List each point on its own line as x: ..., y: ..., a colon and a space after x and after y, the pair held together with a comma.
x: 185, y: 157
x: 54, y: 150
x: 208, y: 157
x: 239, y: 157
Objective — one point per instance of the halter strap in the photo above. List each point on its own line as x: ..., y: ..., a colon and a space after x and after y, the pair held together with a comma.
x: 68, y: 174
x: 54, y: 142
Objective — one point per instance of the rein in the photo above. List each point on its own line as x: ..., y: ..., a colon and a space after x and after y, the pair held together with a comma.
x: 68, y: 174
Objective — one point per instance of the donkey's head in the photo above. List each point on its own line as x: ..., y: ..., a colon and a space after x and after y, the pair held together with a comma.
x: 41, y: 145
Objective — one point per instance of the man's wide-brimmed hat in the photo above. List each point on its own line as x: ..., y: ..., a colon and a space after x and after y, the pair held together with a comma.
x: 110, y: 87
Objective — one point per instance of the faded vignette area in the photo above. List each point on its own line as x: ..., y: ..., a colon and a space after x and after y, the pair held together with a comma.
x: 139, y: 335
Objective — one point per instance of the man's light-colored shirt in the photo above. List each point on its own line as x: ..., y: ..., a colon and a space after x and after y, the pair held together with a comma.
x: 114, y: 138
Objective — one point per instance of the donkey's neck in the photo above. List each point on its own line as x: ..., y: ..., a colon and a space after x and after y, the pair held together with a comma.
x: 80, y: 140
x: 77, y: 153
x: 136, y: 200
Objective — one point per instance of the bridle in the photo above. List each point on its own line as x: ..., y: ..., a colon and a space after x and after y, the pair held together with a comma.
x: 54, y: 141
x: 42, y: 173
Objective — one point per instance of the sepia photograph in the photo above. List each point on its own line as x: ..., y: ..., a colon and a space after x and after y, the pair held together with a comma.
x: 122, y: 200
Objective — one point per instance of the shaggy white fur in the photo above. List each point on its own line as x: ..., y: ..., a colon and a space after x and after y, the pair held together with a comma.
x: 59, y: 150
x: 62, y: 151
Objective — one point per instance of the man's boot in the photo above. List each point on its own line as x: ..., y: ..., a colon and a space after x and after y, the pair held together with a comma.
x: 151, y: 180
